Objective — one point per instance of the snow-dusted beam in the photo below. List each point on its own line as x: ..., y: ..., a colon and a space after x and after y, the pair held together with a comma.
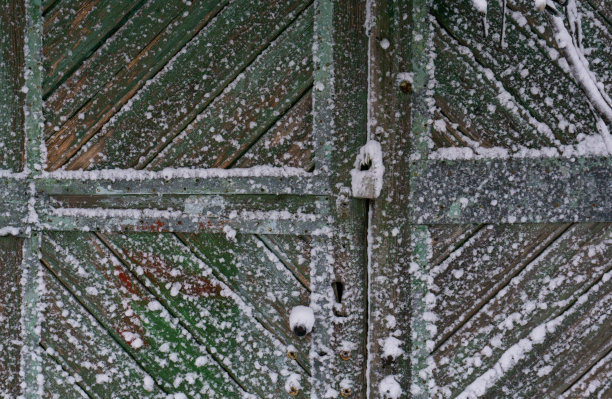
x: 529, y: 190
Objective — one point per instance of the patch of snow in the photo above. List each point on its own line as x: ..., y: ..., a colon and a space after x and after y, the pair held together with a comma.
x: 301, y: 320
x: 389, y: 388
x: 368, y: 183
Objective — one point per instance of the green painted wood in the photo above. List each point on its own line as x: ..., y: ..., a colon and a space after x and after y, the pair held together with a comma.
x: 73, y: 30
x: 596, y: 382
x: 568, y: 351
x: 247, y: 108
x: 11, y: 332
x: 294, y: 252
x: 177, y: 95
x: 477, y: 270
x: 472, y: 110
x: 12, y: 62
x: 95, y: 361
x: 127, y: 310
x: 58, y: 384
x: 516, y: 191
x: 389, y: 234
x: 252, y: 271
x: 210, y: 310
x: 104, y: 83
x: 541, y: 292
x: 287, y: 143
x: 523, y: 62
x: 339, y: 129
x: 445, y: 239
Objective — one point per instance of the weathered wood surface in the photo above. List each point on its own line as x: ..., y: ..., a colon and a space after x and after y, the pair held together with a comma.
x: 389, y: 234
x: 129, y: 312
x: 93, y: 360
x: 567, y: 285
x: 512, y: 191
x: 215, y: 57
x: 10, y: 316
x: 58, y: 384
x: 238, y: 335
x: 522, y: 81
x: 12, y: 83
x: 596, y: 383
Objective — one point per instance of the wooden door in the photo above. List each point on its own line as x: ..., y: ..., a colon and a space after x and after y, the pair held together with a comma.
x: 176, y: 179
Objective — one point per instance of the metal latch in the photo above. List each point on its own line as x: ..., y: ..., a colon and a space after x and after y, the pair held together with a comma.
x: 367, y: 174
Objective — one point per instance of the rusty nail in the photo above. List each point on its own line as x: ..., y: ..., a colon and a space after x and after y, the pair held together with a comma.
x: 345, y: 355
x: 293, y: 391
x: 292, y: 355
x: 405, y: 86
x: 346, y: 392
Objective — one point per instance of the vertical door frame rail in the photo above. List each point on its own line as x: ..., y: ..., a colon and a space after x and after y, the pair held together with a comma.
x: 354, y: 72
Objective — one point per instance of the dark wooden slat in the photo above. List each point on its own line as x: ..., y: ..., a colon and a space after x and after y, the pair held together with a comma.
x: 481, y: 267
x: 287, y: 143
x: 58, y: 384
x: 522, y: 66
x: 117, y: 70
x: 248, y: 107
x: 219, y: 317
x: 596, y: 383
x: 178, y: 94
x: 512, y: 191
x: 12, y: 98
x: 124, y: 307
x: 72, y: 335
x: 447, y: 238
x: 540, y: 293
x: 467, y: 96
x: 10, y: 315
x: 250, y: 270
x: 294, y: 252
x: 72, y: 31
x: 583, y: 333
x: 604, y: 7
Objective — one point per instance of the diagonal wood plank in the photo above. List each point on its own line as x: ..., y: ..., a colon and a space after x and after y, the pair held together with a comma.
x: 164, y: 349
x: 58, y: 384
x: 476, y: 271
x: 521, y: 63
x: 211, y: 310
x: 72, y: 335
x: 596, y: 383
x: 73, y: 30
x: 10, y: 316
x: 254, y: 273
x: 12, y: 96
x: 117, y: 70
x: 178, y: 94
x: 248, y: 106
x: 539, y: 294
x: 287, y: 143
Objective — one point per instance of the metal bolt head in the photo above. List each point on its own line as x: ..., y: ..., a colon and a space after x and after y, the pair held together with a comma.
x: 405, y: 86
x: 293, y: 391
x: 346, y: 392
x: 345, y: 355
x: 292, y: 355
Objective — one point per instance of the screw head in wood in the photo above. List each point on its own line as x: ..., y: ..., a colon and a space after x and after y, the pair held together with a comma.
x: 293, y: 391
x: 346, y: 392
x: 345, y: 355
x: 405, y: 86
x: 292, y: 355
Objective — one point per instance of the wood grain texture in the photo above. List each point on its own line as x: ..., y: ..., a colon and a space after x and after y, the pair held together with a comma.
x: 106, y: 81
x: 595, y: 383
x: 219, y: 316
x: 59, y: 384
x: 542, y: 292
x: 287, y: 143
x: 248, y: 107
x: 477, y: 270
x: 389, y: 233
x: 213, y: 59
x: 248, y: 268
x: 10, y: 316
x: 12, y: 98
x: 73, y: 30
x: 95, y: 361
x: 529, y: 82
x: 127, y: 310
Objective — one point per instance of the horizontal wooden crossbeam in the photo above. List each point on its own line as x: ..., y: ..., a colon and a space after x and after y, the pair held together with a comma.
x: 542, y: 190
x: 443, y: 192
